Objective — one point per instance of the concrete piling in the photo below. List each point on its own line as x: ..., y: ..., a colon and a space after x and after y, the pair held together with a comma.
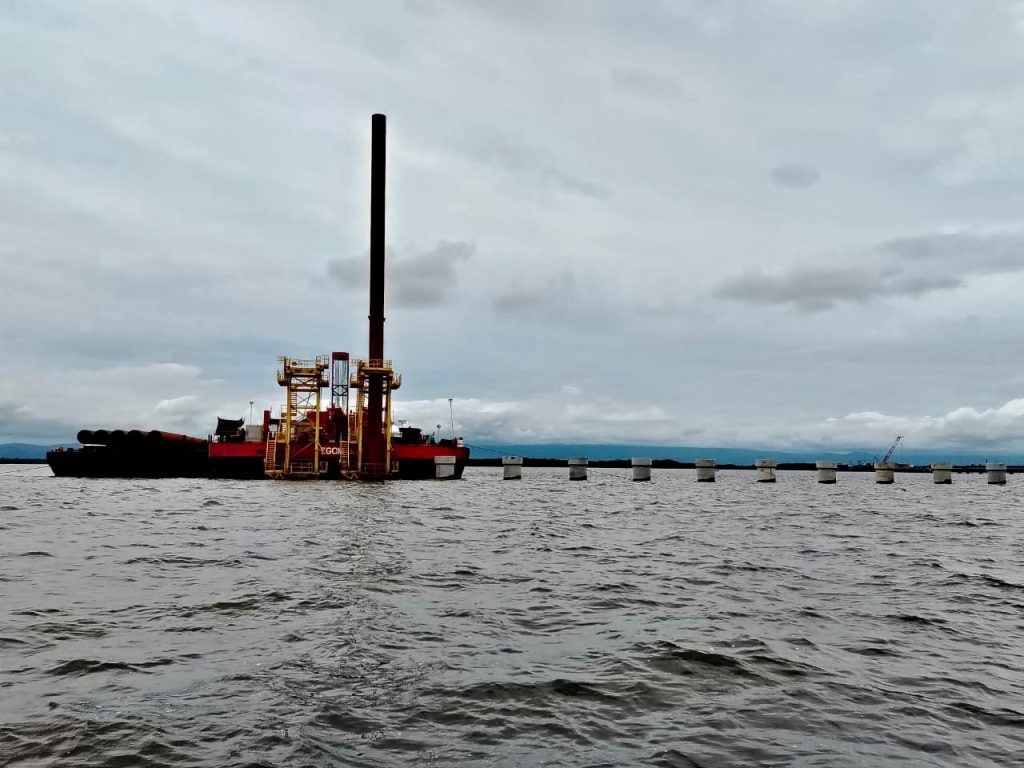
x: 444, y: 467
x: 885, y: 473
x: 706, y: 470
x: 826, y: 472
x: 996, y: 473
x: 512, y: 467
x: 578, y: 468
x: 641, y: 469
x: 942, y: 473
x: 765, y: 470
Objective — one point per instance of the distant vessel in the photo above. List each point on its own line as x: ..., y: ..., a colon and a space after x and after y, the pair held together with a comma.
x: 307, y: 440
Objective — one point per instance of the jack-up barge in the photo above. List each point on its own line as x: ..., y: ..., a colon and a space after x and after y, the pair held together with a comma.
x: 307, y: 440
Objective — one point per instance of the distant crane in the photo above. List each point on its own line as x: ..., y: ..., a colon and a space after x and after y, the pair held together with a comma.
x: 892, y: 449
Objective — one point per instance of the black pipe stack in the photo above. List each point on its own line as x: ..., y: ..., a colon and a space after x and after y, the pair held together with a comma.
x: 374, y: 443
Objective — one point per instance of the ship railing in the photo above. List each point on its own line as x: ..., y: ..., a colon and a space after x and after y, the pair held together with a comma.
x: 374, y: 364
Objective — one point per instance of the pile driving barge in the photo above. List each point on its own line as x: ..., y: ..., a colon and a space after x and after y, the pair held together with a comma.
x: 307, y: 440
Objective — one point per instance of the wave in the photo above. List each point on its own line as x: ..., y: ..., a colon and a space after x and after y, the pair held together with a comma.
x: 79, y: 667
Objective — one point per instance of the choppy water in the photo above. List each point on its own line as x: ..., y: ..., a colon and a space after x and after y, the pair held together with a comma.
x: 482, y: 623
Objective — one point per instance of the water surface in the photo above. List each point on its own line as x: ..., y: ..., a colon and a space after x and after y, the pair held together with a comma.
x: 490, y: 623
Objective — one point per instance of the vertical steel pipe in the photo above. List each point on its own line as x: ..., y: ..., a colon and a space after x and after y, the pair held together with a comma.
x: 378, y: 166
x: 374, y: 444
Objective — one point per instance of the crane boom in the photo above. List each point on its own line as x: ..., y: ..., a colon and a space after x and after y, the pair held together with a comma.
x: 892, y: 449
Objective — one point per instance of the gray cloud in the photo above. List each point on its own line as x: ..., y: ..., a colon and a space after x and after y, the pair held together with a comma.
x: 962, y: 253
x: 546, y: 297
x: 536, y: 164
x: 414, y: 282
x: 795, y: 175
x: 815, y: 289
x: 645, y: 83
x: 901, y: 267
x: 19, y: 422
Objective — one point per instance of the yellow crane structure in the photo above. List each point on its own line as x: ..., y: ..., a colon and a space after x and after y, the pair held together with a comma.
x: 379, y: 376
x: 293, y: 450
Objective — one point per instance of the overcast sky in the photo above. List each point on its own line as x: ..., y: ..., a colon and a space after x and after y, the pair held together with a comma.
x: 781, y: 223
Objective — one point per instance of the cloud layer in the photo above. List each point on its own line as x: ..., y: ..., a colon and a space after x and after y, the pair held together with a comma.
x: 900, y: 267
x: 420, y: 281
x: 643, y: 224
x: 575, y: 416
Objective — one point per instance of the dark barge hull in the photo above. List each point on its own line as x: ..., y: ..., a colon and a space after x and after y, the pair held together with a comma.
x: 236, y: 468
x: 423, y: 469
x: 103, y: 461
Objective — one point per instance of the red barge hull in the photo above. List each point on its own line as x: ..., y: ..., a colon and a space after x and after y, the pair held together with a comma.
x: 224, y: 461
x: 416, y: 462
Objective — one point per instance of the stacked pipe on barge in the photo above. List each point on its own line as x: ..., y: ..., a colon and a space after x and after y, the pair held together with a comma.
x: 131, y: 453
x: 135, y: 437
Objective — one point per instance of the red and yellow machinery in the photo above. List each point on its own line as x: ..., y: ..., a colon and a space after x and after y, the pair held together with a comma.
x: 310, y: 442
x: 307, y: 441
x: 339, y: 441
x: 293, y: 449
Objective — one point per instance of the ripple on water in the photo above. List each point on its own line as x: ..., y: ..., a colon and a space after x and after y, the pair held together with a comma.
x: 479, y: 624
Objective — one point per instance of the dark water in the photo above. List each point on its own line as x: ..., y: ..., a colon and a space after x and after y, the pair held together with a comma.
x: 482, y: 623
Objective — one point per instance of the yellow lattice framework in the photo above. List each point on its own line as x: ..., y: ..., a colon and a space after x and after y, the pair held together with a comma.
x: 361, y: 382
x: 293, y: 451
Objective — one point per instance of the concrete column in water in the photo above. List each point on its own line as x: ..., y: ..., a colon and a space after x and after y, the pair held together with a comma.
x: 512, y: 467
x: 885, y: 472
x: 641, y: 469
x: 996, y: 473
x: 578, y: 468
x: 942, y: 473
x: 705, y: 470
x: 826, y: 471
x: 444, y: 467
x: 765, y: 470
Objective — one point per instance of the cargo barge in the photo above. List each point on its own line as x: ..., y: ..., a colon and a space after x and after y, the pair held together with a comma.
x: 131, y: 453
x: 348, y: 435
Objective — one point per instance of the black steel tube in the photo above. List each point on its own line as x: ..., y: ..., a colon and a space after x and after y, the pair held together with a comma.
x: 377, y: 172
x: 374, y: 445
x: 86, y: 437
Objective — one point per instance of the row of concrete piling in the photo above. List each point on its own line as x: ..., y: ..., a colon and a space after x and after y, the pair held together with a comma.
x: 885, y: 473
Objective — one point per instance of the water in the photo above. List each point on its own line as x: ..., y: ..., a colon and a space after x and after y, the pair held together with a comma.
x: 489, y: 623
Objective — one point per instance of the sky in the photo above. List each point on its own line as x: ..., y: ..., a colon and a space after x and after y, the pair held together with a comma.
x: 779, y: 223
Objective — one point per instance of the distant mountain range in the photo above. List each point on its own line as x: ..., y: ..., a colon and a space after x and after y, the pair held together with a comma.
x: 608, y: 452
x: 27, y: 450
